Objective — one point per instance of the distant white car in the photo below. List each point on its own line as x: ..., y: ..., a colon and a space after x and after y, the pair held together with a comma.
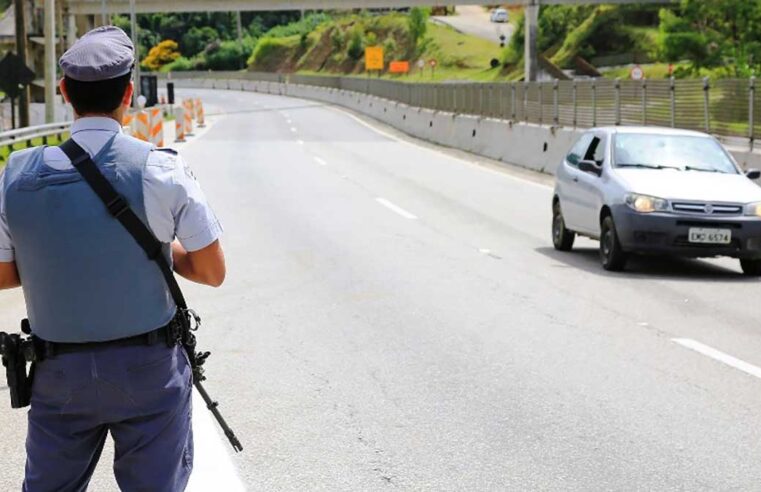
x: 499, y: 15
x: 658, y: 191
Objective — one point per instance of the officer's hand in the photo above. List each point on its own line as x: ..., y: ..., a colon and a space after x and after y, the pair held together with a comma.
x: 9, y: 275
x: 205, y: 266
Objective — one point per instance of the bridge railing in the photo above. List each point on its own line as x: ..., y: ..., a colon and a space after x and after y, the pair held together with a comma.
x: 729, y: 108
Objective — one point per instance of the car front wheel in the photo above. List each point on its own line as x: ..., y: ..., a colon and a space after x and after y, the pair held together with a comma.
x: 562, y: 238
x: 613, y: 258
x: 751, y: 268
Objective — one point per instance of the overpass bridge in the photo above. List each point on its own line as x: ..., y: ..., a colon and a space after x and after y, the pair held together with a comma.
x: 94, y: 10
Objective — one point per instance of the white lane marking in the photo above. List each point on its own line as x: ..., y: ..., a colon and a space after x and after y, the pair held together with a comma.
x: 300, y: 142
x: 399, y: 210
x: 213, y: 467
x: 504, y: 174
x: 484, y: 251
x: 293, y: 129
x: 720, y: 356
x: 320, y: 161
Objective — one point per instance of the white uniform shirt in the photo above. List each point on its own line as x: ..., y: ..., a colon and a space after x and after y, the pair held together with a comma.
x: 174, y: 203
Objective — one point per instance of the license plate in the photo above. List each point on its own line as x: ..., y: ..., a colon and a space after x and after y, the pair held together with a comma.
x: 710, y: 236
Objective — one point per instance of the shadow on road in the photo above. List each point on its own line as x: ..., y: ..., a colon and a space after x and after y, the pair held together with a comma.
x: 647, y: 267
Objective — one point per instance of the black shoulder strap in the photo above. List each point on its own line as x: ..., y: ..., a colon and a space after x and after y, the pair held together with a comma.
x: 119, y: 208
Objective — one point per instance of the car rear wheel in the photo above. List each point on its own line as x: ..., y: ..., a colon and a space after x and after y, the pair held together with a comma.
x: 751, y: 268
x: 613, y: 258
x: 562, y: 238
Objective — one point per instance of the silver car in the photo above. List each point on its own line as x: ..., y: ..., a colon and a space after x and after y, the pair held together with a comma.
x: 657, y: 191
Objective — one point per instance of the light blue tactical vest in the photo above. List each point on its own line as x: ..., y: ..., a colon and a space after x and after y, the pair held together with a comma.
x: 85, y: 279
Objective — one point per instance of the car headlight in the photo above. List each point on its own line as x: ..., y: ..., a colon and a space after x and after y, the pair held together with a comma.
x: 753, y: 209
x: 646, y: 204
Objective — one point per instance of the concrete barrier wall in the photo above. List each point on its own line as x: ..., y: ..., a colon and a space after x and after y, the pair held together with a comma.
x: 536, y: 147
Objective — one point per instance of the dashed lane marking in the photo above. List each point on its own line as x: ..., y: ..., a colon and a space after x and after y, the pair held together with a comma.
x: 320, y: 161
x: 719, y: 356
x: 395, y: 208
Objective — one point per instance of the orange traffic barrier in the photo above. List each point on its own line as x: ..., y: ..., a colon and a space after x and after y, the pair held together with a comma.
x: 188, y: 117
x: 200, y: 116
x: 179, y: 124
x: 128, y: 119
x: 191, y: 107
x: 157, y: 127
x: 142, y: 128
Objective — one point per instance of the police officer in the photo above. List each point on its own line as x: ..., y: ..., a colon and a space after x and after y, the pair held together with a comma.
x: 93, y: 294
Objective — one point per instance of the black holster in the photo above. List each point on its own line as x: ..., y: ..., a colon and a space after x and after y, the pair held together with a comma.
x: 16, y: 350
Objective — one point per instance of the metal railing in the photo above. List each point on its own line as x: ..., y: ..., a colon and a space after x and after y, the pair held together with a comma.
x: 24, y: 137
x: 728, y: 108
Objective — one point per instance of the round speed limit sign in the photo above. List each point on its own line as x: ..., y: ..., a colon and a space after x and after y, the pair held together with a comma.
x: 637, y: 73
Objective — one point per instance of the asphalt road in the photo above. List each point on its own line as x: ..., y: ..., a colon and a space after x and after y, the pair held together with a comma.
x: 474, y: 20
x: 395, y: 318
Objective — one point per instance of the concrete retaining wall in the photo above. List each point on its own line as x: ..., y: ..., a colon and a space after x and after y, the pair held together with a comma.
x: 536, y: 147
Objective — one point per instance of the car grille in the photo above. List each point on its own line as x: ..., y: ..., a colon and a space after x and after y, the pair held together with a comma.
x: 701, y: 208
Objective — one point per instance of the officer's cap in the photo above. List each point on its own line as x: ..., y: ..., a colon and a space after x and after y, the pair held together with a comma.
x: 102, y: 54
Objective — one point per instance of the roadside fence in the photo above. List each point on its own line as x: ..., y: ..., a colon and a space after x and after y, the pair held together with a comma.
x: 726, y: 107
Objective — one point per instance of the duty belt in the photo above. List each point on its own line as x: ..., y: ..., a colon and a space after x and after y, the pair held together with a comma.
x: 169, y: 334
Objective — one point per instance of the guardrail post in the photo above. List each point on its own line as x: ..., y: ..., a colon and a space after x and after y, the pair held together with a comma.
x: 672, y: 88
x: 574, y: 88
x: 706, y: 105
x: 541, y: 102
x: 594, y: 103
x: 555, y: 108
x: 644, y: 102
x: 618, y: 101
x: 481, y: 100
x: 751, y: 110
x: 513, y: 109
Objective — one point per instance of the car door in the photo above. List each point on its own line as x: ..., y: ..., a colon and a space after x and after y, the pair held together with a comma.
x: 589, y: 186
x: 567, y: 183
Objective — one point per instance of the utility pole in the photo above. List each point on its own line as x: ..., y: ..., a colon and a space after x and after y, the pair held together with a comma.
x: 531, y: 57
x: 23, y: 108
x: 133, y: 28
x: 50, y: 61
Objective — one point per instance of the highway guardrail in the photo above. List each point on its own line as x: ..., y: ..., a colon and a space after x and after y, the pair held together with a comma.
x: 24, y: 137
x: 723, y: 107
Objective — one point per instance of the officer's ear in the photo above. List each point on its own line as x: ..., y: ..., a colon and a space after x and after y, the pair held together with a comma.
x: 127, y: 99
x: 64, y: 93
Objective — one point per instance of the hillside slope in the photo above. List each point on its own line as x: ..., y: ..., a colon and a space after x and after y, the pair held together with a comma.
x: 337, y: 47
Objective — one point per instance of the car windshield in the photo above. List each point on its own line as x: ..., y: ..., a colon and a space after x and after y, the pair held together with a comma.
x: 683, y: 152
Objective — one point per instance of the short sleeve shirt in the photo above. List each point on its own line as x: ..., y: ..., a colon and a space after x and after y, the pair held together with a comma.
x: 175, y: 205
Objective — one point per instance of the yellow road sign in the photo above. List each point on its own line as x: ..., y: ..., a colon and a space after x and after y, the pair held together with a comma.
x: 374, y: 58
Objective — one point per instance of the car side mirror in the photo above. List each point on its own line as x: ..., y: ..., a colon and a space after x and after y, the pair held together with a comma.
x: 590, y: 167
x: 753, y: 173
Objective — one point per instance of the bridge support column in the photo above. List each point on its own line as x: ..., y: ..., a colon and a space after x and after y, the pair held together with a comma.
x: 133, y: 28
x: 71, y: 30
x: 531, y: 56
x: 50, y: 61
x: 21, y: 51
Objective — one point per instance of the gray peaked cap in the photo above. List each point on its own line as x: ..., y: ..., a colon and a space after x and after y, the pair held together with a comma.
x: 102, y: 54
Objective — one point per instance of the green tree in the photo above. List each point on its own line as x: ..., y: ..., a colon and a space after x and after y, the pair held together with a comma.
x: 356, y: 43
x: 197, y: 39
x: 713, y: 33
x: 417, y: 24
